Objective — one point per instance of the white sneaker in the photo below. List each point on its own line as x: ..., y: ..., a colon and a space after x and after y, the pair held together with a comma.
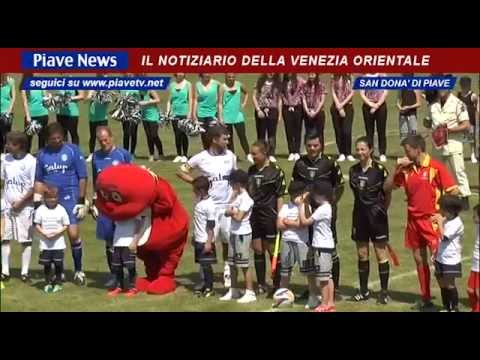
x: 227, y: 281
x: 351, y: 158
x: 473, y: 158
x: 383, y: 158
x: 341, y: 158
x: 184, y: 159
x: 250, y: 158
x: 89, y: 158
x: 151, y: 158
x: 297, y: 157
x: 291, y: 157
x: 248, y: 297
x: 80, y: 278
x: 232, y: 294
x: 313, y: 302
x: 178, y: 159
x: 272, y: 158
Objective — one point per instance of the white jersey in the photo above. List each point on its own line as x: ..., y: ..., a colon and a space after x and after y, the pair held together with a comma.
x: 203, y: 211
x: 450, y: 248
x: 299, y: 235
x: 52, y: 220
x: 243, y: 202
x: 18, y: 176
x: 217, y: 168
x: 476, y: 251
x: 322, y: 228
x: 124, y: 231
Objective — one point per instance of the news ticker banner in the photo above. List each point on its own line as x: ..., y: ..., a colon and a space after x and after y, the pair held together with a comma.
x: 241, y: 60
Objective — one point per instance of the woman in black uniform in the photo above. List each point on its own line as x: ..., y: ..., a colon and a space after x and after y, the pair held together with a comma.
x: 266, y: 187
x: 370, y: 219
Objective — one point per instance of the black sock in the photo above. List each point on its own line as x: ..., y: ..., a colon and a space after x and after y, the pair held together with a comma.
x: 58, y: 273
x: 208, y: 274
x: 445, y: 298
x: 453, y: 298
x: 363, y: 274
x: 109, y: 254
x: 46, y: 271
x: 119, y: 275
x: 277, y: 277
x: 260, y: 268
x: 384, y: 273
x: 132, y: 277
x: 336, y: 271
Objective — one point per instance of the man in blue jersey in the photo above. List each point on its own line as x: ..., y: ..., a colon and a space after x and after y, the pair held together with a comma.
x: 108, y: 155
x: 63, y: 166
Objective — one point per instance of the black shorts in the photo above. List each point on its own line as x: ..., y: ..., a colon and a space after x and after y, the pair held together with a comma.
x: 48, y: 257
x: 448, y: 271
x: 122, y: 256
x: 370, y: 225
x: 264, y: 227
x: 204, y: 258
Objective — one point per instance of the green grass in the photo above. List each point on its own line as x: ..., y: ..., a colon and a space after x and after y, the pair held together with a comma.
x: 20, y: 297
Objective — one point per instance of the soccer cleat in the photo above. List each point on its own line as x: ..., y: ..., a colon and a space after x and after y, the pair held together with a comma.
x: 198, y: 288
x: 184, y: 159
x: 25, y: 278
x: 473, y: 158
x: 350, y: 158
x: 48, y: 288
x: 111, y: 282
x: 313, y: 303
x: 271, y: 158
x: 177, y: 159
x: 250, y: 158
x: 248, y: 297
x: 4, y: 277
x: 383, y: 298
x: 57, y: 288
x: 383, y: 158
x: 151, y: 158
x: 341, y: 158
x: 131, y: 292
x: 231, y: 294
x: 208, y: 293
x: 89, y: 158
x: 115, y: 292
x: 79, y: 278
x: 291, y: 157
x: 359, y: 296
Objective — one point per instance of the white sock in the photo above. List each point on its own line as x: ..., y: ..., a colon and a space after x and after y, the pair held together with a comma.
x: 5, y: 258
x: 26, y: 257
x: 226, y: 269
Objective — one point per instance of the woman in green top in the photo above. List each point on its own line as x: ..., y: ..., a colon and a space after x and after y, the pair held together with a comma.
x: 68, y: 115
x: 206, y: 102
x: 151, y: 119
x: 130, y: 128
x: 7, y: 102
x: 231, y: 112
x: 97, y: 116
x: 179, y: 105
x: 32, y: 101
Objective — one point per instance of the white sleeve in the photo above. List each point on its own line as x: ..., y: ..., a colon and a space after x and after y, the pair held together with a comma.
x: 211, y: 213
x: 2, y: 167
x: 283, y: 211
x: 246, y: 204
x: 322, y: 212
x: 462, y: 113
x: 65, y: 218
x: 234, y: 161
x: 37, y: 219
x: 194, y: 161
x: 33, y: 168
x: 453, y: 229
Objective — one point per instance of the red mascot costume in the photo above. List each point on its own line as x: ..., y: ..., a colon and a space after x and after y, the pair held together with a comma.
x: 125, y: 191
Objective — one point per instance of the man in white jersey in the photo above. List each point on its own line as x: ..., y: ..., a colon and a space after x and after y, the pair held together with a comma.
x: 18, y: 177
x: 216, y: 163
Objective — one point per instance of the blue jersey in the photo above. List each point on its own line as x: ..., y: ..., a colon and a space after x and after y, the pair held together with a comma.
x: 101, y: 160
x: 62, y: 168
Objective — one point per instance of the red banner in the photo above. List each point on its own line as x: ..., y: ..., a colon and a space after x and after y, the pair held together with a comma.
x: 258, y: 60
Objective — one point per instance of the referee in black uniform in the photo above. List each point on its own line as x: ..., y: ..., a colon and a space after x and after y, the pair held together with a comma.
x: 267, y: 188
x: 317, y: 167
x: 370, y: 219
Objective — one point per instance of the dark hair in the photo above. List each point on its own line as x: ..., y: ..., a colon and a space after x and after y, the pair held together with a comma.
x: 451, y: 204
x: 51, y: 191
x: 276, y: 82
x: 54, y: 128
x: 289, y: 77
x: 431, y: 96
x: 18, y: 137
x: 365, y: 140
x: 239, y: 177
x: 337, y: 77
x: 317, y: 83
x: 414, y: 141
x: 215, y: 132
x: 323, y: 188
x: 201, y: 184
x: 262, y: 145
x: 311, y: 136
x: 465, y: 81
x: 296, y: 188
x: 104, y: 128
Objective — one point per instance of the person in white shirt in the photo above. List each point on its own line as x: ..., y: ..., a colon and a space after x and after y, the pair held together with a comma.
x: 448, y: 258
x: 51, y: 221
x: 473, y: 285
x: 18, y: 177
x: 239, y: 210
x: 294, y: 241
x: 216, y: 163
x: 204, y: 218
x: 320, y: 254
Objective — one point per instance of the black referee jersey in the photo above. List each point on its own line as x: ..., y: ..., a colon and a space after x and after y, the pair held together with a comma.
x: 323, y: 168
x: 265, y: 186
x: 367, y: 186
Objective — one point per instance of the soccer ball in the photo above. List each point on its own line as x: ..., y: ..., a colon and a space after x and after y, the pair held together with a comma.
x: 283, y: 298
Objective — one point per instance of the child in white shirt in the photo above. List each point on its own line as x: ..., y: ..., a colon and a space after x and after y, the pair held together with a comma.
x: 474, y: 278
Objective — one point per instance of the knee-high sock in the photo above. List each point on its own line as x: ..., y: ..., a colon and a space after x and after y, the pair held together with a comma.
x: 5, y: 258
x: 384, y: 274
x: 336, y: 272
x: 363, y: 274
x: 77, y: 252
x: 260, y: 268
x: 26, y: 257
x: 423, y: 272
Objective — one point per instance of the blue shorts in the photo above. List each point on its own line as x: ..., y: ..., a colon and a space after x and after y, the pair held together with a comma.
x: 105, y: 228
x: 69, y: 205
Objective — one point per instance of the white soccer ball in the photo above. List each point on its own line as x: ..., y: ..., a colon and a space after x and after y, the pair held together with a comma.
x: 283, y: 298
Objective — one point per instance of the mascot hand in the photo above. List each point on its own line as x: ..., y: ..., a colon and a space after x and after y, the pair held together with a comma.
x: 93, y: 211
x: 80, y: 210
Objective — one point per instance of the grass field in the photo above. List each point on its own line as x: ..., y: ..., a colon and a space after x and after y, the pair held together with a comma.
x: 404, y: 285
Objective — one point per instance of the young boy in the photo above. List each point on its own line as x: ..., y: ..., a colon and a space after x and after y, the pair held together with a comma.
x: 239, y: 210
x: 51, y: 221
x: 470, y: 99
x: 320, y: 253
x: 204, y: 215
x: 125, y: 239
x: 294, y: 241
x: 474, y: 278
x: 448, y: 264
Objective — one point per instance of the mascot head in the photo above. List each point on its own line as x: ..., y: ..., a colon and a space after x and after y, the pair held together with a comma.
x: 124, y: 191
